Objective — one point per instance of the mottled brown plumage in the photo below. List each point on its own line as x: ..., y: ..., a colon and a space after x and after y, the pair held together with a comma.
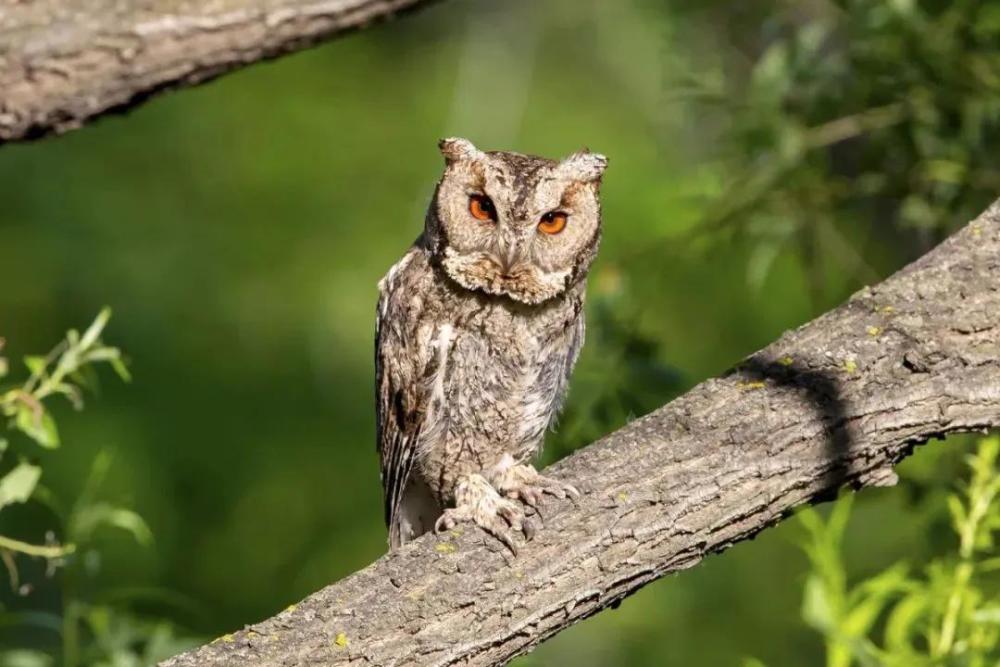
x: 478, y: 328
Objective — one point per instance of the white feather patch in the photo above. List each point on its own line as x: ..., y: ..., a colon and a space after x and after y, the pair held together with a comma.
x: 435, y: 421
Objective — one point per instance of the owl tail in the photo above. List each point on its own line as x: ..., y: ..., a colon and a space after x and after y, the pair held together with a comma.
x: 415, y: 515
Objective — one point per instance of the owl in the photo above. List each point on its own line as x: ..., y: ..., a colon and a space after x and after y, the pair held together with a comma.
x: 477, y: 331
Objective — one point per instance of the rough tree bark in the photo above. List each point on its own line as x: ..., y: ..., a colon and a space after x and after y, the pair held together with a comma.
x: 838, y: 401
x: 64, y: 62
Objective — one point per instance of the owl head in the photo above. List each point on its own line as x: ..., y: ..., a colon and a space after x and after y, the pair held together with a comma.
x: 515, y: 225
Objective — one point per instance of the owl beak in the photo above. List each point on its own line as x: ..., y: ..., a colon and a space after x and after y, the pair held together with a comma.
x: 510, y: 258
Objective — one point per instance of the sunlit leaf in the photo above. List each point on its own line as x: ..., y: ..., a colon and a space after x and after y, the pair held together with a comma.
x: 93, y: 332
x: 72, y: 394
x: 888, y: 582
x: 957, y: 512
x: 120, y: 368
x: 816, y: 609
x: 18, y: 484
x: 840, y: 514
x: 37, y: 423
x: 877, y: 592
x: 903, y: 624
x: 36, y: 364
x: 989, y: 615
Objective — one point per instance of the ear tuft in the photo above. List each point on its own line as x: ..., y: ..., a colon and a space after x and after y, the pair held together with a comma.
x: 455, y: 148
x: 584, y: 166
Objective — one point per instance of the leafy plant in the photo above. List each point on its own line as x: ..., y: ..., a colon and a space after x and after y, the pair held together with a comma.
x: 92, y: 631
x: 859, y: 118
x: 946, y: 614
x: 62, y: 372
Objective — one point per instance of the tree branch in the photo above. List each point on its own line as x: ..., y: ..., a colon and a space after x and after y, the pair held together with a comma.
x: 838, y: 401
x: 63, y: 63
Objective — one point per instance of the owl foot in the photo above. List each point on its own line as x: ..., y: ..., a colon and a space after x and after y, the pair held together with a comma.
x: 523, y: 482
x: 477, y: 501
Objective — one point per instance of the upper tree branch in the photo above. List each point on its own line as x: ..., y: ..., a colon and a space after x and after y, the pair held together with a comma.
x: 839, y: 400
x: 63, y: 62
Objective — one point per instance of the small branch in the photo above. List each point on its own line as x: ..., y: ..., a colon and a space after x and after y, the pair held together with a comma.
x: 838, y: 401
x: 849, y: 127
x: 65, y: 62
x: 39, y: 550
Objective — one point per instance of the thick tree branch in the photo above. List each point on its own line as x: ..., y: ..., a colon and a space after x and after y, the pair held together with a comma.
x: 64, y: 62
x: 838, y: 401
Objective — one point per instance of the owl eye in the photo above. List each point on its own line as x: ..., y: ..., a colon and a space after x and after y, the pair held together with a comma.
x: 481, y: 207
x: 553, y: 222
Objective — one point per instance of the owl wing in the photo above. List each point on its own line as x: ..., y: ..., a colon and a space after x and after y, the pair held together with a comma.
x: 400, y: 399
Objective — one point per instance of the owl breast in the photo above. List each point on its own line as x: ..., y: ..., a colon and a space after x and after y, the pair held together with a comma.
x: 496, y: 378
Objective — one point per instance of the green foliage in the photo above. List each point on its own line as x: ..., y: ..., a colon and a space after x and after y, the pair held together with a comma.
x: 948, y: 613
x: 872, y: 111
x: 62, y: 372
x: 91, y: 633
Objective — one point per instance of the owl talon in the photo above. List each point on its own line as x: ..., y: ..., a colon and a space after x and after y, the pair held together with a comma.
x: 524, y: 483
x: 449, y: 519
x: 477, y: 501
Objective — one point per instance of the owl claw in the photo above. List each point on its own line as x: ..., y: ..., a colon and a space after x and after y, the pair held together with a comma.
x: 524, y: 483
x: 477, y: 501
x: 449, y: 519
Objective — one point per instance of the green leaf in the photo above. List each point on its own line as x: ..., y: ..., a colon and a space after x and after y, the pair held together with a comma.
x: 989, y: 565
x: 989, y: 615
x: 816, y: 608
x: 91, y: 517
x: 4, y: 367
x: 888, y: 582
x: 957, y: 511
x: 903, y: 626
x: 839, y: 516
x: 113, y: 356
x: 875, y: 594
x: 120, y: 368
x: 18, y: 484
x: 36, y: 364
x: 93, y: 332
x: 71, y: 392
x: 37, y: 424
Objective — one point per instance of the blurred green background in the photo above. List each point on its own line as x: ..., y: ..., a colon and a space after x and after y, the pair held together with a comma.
x: 238, y: 231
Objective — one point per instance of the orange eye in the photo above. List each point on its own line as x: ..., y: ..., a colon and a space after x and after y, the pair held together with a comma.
x: 481, y: 208
x: 553, y: 222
